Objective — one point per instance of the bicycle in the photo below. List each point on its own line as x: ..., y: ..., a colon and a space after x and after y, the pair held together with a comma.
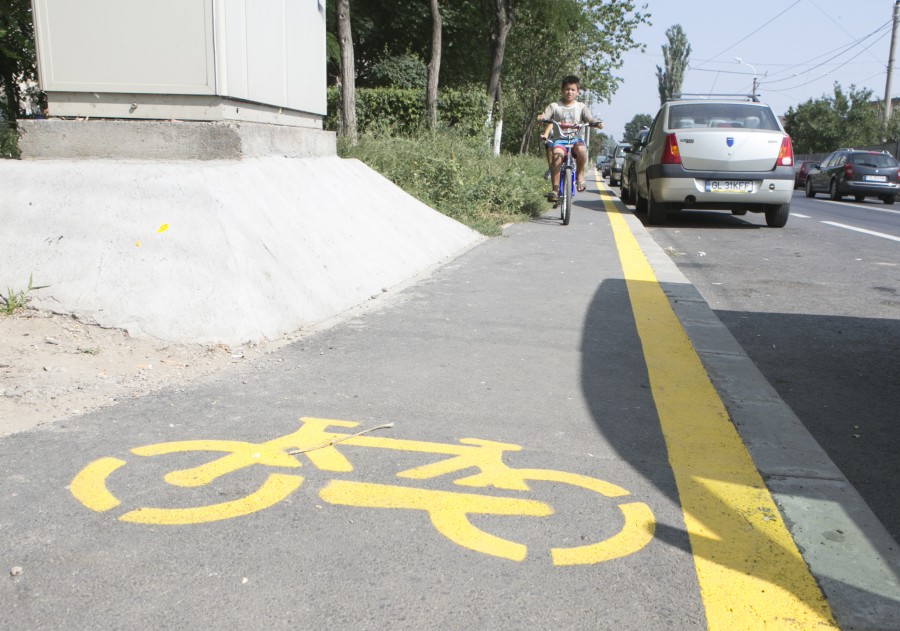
x: 569, y: 133
x: 478, y: 463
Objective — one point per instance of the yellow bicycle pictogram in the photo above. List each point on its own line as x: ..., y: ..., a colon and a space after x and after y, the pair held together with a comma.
x: 448, y: 511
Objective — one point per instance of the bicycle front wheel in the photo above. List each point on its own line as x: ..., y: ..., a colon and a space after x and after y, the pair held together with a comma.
x: 565, y: 200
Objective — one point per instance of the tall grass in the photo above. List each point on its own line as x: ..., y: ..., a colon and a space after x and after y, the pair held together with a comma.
x: 459, y: 177
x: 9, y: 140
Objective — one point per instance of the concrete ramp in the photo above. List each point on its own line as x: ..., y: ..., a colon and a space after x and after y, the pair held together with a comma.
x: 212, y: 251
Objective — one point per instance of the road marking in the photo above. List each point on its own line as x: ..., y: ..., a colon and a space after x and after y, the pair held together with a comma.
x: 861, y: 206
x: 750, y: 573
x: 800, y: 216
x: 863, y: 230
x: 448, y: 511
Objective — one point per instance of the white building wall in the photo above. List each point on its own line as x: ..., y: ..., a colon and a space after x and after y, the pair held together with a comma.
x: 265, y: 52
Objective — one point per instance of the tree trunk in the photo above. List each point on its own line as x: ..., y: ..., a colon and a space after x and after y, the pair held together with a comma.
x: 502, y: 24
x: 434, y: 65
x: 498, y: 124
x: 348, y: 72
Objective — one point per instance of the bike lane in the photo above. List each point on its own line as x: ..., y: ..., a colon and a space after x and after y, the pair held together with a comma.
x: 526, y: 357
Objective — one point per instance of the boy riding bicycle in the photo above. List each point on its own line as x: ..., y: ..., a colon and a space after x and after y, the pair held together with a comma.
x: 567, y: 112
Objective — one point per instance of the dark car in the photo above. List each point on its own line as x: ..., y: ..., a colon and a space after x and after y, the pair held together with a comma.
x: 802, y: 172
x: 616, y: 163
x: 858, y: 173
x: 604, y: 169
x: 632, y: 153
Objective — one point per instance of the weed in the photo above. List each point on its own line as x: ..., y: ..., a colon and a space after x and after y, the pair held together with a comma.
x: 458, y: 176
x: 18, y: 299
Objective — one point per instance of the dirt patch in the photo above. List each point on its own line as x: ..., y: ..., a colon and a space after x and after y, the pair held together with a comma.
x: 54, y: 366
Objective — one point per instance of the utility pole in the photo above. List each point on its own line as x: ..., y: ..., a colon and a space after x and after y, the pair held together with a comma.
x: 890, y: 67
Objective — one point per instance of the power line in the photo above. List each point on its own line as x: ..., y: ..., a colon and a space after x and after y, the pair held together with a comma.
x: 827, y: 73
x: 757, y: 30
x: 843, y: 49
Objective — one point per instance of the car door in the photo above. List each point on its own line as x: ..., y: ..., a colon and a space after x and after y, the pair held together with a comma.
x: 819, y: 177
x: 652, y: 146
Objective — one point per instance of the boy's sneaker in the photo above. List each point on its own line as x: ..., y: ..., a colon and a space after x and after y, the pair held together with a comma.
x: 547, y: 174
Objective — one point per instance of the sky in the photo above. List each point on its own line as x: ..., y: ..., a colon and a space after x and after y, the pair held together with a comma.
x: 797, y: 49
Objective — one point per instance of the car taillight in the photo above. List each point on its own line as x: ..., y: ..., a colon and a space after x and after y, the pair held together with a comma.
x: 670, y: 150
x: 786, y: 153
x: 848, y: 170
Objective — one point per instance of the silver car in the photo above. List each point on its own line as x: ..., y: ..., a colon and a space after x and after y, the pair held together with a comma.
x: 716, y: 154
x: 616, y: 162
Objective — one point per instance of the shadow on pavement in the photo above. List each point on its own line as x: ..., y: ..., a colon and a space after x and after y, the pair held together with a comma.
x: 616, y: 388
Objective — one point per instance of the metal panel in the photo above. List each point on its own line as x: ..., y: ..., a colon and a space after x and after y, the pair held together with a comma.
x: 164, y: 46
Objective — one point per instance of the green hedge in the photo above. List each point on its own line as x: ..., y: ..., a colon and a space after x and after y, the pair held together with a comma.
x: 458, y: 176
x: 395, y: 111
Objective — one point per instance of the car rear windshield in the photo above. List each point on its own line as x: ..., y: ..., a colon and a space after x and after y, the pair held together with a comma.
x: 620, y: 151
x: 724, y: 115
x: 876, y: 160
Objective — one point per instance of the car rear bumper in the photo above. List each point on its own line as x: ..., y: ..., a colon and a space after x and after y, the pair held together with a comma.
x: 871, y: 188
x: 672, y: 183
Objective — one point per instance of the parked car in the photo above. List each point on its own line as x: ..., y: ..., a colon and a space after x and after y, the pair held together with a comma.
x: 802, y: 171
x: 604, y: 170
x: 601, y: 160
x: 858, y: 173
x: 632, y: 153
x: 616, y: 163
x: 727, y: 154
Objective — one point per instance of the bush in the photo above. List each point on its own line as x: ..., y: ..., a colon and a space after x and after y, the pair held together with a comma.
x: 9, y: 140
x: 458, y: 176
x: 395, y: 111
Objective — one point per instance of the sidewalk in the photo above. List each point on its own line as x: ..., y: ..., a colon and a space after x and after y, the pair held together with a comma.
x: 543, y: 338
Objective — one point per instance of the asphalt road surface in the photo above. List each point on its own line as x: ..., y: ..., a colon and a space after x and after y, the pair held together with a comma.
x: 816, y: 305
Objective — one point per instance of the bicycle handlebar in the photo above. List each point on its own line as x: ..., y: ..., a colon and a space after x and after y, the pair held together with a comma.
x: 570, y: 129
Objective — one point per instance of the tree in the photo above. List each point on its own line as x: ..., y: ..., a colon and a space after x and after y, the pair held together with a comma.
x: 588, y: 39
x: 503, y: 21
x: 675, y: 59
x: 348, y: 72
x: 434, y: 65
x: 843, y: 120
x: 633, y: 127
x: 17, y: 52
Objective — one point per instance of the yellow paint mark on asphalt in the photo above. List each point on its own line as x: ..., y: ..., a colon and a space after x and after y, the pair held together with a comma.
x: 750, y: 572
x: 89, y: 486
x: 276, y: 487
x: 635, y: 534
x: 449, y: 512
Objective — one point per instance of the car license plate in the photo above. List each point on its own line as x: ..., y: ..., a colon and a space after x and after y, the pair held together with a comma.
x: 876, y: 178
x: 729, y: 186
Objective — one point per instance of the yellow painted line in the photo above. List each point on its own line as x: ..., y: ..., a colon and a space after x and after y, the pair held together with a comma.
x: 750, y: 572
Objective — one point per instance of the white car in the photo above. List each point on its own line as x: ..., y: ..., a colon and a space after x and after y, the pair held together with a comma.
x: 716, y: 154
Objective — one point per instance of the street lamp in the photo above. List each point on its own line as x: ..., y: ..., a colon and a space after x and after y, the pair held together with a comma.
x: 741, y: 61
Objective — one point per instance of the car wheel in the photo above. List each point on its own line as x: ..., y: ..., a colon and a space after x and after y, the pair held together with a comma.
x: 656, y: 211
x: 632, y: 193
x: 640, y: 203
x: 833, y: 191
x: 809, y: 189
x: 889, y: 199
x: 777, y: 215
x: 859, y: 198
